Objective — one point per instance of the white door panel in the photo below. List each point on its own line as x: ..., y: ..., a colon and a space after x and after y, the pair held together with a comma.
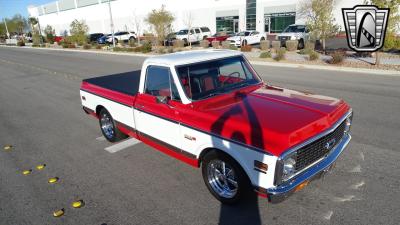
x: 157, y: 128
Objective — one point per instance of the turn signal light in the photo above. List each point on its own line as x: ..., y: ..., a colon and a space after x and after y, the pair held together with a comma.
x: 260, y: 167
x: 301, y: 186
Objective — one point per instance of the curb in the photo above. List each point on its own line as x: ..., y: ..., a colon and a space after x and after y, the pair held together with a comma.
x: 330, y: 68
x: 253, y: 62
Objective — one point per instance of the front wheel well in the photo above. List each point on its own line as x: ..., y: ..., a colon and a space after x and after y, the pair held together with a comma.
x: 99, y: 108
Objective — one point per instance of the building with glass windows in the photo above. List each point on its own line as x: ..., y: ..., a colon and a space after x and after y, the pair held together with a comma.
x: 269, y: 16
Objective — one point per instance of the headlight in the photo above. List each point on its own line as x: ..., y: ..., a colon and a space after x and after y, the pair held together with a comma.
x: 348, y: 122
x: 289, y: 166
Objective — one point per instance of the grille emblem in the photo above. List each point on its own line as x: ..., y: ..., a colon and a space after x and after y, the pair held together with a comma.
x: 330, y: 144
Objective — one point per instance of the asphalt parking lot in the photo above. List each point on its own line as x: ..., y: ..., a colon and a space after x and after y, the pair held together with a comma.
x: 41, y: 116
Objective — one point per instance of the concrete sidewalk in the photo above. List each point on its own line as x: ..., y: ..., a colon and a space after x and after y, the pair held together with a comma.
x: 254, y: 62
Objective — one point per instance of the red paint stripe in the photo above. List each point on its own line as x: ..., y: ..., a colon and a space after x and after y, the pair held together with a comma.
x: 161, y: 148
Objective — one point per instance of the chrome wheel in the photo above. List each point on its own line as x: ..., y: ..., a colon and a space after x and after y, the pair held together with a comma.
x: 107, y: 125
x: 222, y: 179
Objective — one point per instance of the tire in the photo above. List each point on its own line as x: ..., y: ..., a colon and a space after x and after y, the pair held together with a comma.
x: 116, y: 40
x: 301, y: 44
x: 185, y: 42
x: 109, y: 128
x: 262, y: 39
x: 132, y: 39
x: 227, y: 193
x: 205, y: 37
x: 244, y: 43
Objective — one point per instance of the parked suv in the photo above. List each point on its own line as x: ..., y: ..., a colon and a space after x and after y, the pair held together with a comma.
x: 247, y: 38
x: 196, y: 34
x: 123, y: 37
x: 294, y: 32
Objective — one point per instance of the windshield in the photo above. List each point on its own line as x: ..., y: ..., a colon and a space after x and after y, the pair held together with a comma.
x: 294, y: 29
x: 182, y: 32
x: 243, y: 33
x: 203, y: 80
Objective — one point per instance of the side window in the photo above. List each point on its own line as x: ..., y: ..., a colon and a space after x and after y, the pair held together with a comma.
x: 159, y: 82
x: 197, y: 30
x: 205, y: 29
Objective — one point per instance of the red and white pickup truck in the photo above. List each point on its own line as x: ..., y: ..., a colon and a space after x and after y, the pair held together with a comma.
x: 210, y: 109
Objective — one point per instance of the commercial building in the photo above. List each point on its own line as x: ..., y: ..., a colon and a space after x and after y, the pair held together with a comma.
x: 270, y: 16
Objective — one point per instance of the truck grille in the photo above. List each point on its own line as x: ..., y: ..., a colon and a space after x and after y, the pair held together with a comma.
x: 318, y: 149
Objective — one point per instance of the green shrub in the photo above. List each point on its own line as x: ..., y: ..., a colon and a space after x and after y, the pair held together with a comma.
x: 309, y: 45
x: 292, y: 45
x: 118, y: 49
x: 305, y: 51
x: 264, y: 45
x: 20, y: 43
x: 233, y: 47
x: 35, y: 45
x: 78, y: 32
x: 265, y: 54
x: 391, y: 42
x: 313, y: 55
x: 64, y: 45
x: 337, y: 57
x: 146, y: 47
x: 87, y: 46
x: 280, y: 54
x: 132, y: 43
x: 246, y: 48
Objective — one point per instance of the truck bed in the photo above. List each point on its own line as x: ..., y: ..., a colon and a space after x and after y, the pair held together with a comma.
x: 127, y: 83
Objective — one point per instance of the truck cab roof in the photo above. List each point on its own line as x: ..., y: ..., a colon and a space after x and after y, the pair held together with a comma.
x: 189, y: 57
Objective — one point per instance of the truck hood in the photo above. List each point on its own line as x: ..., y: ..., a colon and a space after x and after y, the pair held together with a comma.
x: 269, y: 118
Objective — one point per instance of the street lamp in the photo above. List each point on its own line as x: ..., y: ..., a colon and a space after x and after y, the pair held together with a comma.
x: 112, y: 23
x: 5, y: 23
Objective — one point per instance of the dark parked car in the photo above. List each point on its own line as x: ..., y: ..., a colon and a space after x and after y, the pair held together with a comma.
x: 169, y: 39
x: 103, y: 39
x: 94, y: 37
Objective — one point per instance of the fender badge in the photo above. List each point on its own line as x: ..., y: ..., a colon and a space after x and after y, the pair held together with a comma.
x: 190, y: 137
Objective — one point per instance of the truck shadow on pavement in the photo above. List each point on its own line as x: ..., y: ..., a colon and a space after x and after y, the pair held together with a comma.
x: 247, y: 210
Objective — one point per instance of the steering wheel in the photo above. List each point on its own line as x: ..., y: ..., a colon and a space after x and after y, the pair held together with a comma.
x: 229, y: 76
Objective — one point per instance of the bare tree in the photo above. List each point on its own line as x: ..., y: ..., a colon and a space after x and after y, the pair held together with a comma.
x: 137, y: 22
x: 188, y: 22
x: 319, y: 18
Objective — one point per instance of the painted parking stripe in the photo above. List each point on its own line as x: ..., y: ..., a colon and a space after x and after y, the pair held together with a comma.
x: 101, y: 138
x: 122, y: 145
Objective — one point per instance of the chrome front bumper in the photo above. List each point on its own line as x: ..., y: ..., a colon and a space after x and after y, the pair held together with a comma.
x: 281, y: 192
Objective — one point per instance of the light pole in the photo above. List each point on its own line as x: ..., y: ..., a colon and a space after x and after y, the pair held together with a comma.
x: 112, y: 23
x: 5, y: 23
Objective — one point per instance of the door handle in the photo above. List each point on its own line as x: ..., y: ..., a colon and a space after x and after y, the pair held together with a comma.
x: 140, y: 105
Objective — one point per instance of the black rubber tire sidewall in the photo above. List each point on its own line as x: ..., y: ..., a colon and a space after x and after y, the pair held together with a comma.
x: 118, y: 135
x: 243, y: 180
